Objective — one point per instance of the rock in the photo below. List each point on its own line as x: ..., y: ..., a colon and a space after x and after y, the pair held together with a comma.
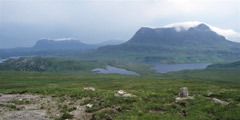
x: 183, y: 98
x: 220, y: 101
x: 89, y: 105
x: 209, y: 94
x: 89, y: 89
x: 183, y: 92
x: 121, y: 93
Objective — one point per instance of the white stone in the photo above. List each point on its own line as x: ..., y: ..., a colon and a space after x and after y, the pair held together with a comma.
x: 89, y: 105
x: 89, y: 89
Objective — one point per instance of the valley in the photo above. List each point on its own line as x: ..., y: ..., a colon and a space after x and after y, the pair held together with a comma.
x: 166, y: 73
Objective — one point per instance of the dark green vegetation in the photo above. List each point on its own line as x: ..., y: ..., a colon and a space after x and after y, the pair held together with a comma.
x: 155, y: 95
x: 166, y: 45
x: 50, y: 64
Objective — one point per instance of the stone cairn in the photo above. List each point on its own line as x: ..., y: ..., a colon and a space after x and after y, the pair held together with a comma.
x: 183, y: 94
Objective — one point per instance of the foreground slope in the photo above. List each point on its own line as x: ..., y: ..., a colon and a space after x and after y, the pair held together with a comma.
x: 155, y: 96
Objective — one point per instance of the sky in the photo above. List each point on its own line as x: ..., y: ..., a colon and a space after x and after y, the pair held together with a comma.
x: 23, y: 22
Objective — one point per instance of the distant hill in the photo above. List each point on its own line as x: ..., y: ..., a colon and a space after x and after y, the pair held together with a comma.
x: 196, y: 44
x: 50, y: 64
x: 46, y: 44
x: 51, y: 47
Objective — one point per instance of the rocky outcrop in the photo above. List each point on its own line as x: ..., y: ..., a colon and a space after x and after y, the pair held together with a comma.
x: 39, y: 107
x: 121, y: 93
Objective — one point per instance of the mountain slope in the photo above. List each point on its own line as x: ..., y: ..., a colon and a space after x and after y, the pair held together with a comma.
x: 111, y: 42
x: 196, y: 44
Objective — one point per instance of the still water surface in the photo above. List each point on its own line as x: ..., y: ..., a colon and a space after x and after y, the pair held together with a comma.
x: 164, y: 68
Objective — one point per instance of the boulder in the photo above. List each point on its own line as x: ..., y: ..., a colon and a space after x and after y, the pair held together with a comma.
x: 220, y: 101
x: 183, y: 92
x: 121, y: 93
x: 89, y: 89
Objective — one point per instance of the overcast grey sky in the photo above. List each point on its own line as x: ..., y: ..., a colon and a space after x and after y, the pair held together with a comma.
x: 23, y: 22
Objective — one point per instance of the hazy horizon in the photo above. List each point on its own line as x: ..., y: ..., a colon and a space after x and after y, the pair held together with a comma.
x: 23, y: 22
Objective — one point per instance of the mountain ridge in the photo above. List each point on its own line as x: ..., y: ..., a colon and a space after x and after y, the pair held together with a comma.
x: 197, y: 44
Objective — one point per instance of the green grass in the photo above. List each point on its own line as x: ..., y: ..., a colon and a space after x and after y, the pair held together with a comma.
x: 155, y: 94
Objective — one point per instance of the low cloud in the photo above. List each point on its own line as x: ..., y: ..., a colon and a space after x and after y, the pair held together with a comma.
x: 227, y: 33
x: 59, y: 39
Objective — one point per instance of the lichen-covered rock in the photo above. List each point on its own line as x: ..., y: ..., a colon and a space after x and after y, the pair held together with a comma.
x: 89, y: 89
x: 220, y: 101
x: 183, y: 92
x: 121, y: 93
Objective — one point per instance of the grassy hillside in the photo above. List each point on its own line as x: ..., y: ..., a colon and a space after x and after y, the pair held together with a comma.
x: 232, y: 65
